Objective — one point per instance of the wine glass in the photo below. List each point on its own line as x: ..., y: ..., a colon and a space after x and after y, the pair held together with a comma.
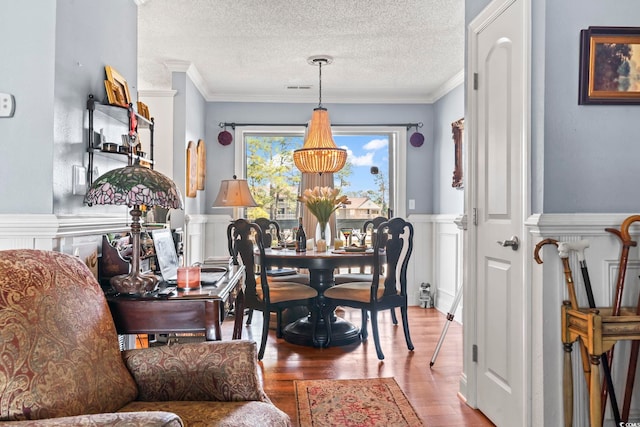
x: 284, y: 237
x: 346, y: 232
x: 358, y: 234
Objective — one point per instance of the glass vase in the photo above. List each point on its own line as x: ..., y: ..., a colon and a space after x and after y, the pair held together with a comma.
x: 323, y: 232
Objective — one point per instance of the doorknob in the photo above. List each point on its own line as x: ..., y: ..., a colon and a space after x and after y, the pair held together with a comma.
x: 513, y: 242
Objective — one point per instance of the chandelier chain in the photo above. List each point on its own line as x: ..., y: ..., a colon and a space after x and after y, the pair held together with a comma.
x: 320, y: 84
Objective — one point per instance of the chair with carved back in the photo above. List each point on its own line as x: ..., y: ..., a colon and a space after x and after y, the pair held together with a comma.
x: 383, y: 292
x: 370, y: 226
x: 269, y: 229
x: 262, y: 293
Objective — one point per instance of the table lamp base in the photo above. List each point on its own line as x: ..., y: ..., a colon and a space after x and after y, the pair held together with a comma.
x: 134, y: 283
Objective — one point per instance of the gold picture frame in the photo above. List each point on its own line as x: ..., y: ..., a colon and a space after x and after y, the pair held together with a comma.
x: 607, y: 66
x: 192, y: 170
x: 117, y: 88
x: 202, y: 164
x: 143, y: 110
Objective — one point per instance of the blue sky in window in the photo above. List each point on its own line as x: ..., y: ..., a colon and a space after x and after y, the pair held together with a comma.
x: 365, y: 151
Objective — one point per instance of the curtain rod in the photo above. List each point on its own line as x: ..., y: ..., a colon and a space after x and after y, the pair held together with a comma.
x: 407, y: 125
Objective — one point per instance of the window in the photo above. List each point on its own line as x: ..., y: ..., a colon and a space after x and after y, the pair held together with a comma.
x: 264, y: 155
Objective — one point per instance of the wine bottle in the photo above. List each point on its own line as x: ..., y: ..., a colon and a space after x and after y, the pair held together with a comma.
x: 301, y: 238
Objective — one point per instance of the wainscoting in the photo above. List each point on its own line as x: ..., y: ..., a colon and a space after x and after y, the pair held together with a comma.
x: 549, y: 290
x: 437, y: 259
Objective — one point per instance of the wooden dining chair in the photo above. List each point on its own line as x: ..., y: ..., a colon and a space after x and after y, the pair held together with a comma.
x: 383, y: 291
x: 260, y: 292
x: 340, y: 278
x: 270, y: 227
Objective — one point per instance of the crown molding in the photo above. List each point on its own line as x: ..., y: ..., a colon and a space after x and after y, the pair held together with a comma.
x: 192, y: 73
x: 296, y: 98
x: 448, y: 86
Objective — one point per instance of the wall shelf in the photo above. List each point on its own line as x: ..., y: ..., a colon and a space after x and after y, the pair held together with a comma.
x: 118, y: 115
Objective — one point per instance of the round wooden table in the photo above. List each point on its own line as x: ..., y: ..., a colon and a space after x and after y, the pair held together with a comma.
x: 321, y: 266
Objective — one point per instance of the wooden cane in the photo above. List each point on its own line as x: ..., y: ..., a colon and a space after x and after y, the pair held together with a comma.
x: 573, y: 300
x: 635, y: 346
x: 578, y: 248
x: 627, y: 243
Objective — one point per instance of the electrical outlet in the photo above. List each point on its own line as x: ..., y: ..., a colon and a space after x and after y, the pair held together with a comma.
x: 7, y: 105
x: 412, y: 204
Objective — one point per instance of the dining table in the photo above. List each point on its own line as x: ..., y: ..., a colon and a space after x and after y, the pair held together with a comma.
x: 321, y: 266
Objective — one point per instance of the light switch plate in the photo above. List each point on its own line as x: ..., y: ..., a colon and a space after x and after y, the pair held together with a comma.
x: 7, y: 105
x: 412, y: 203
x: 79, y: 180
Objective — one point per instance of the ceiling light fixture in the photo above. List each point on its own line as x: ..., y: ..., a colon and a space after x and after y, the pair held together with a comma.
x: 319, y: 153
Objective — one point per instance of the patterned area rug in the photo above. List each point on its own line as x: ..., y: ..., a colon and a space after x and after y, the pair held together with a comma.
x: 354, y: 403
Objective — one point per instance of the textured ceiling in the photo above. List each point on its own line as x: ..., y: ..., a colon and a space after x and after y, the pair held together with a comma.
x: 252, y: 50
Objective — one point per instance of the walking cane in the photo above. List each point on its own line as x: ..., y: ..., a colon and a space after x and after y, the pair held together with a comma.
x: 586, y: 367
x: 627, y: 243
x: 631, y: 375
x: 578, y: 248
x: 567, y: 377
x: 450, y: 315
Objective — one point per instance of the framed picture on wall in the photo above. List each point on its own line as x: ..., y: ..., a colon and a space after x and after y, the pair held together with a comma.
x: 456, y: 130
x: 192, y: 170
x: 117, y: 88
x: 609, y: 57
x: 202, y: 164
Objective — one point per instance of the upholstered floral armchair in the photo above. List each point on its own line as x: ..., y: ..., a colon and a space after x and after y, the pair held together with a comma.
x: 60, y: 362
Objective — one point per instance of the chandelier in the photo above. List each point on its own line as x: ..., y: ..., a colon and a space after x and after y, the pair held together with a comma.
x: 319, y: 153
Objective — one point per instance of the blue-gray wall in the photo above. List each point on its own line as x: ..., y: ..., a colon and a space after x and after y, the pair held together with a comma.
x: 583, y: 157
x: 27, y: 71
x: 448, y: 109
x: 420, y: 165
x: 188, y: 125
x: 590, y: 152
x: 58, y: 52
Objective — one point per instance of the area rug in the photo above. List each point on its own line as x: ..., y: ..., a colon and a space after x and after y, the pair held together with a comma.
x: 353, y: 403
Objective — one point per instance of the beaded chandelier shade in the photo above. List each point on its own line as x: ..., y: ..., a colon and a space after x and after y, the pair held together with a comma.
x: 319, y: 153
x: 134, y: 186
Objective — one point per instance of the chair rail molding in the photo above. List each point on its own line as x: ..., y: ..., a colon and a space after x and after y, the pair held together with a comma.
x: 53, y: 232
x: 549, y: 290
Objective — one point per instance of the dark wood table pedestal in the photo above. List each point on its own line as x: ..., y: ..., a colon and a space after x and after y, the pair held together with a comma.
x: 321, y: 266
x: 301, y: 331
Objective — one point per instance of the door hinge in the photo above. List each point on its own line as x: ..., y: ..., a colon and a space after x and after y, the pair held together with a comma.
x: 475, y: 216
x: 475, y: 81
x: 474, y: 353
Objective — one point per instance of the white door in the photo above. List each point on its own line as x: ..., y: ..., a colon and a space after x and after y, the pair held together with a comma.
x: 498, y: 144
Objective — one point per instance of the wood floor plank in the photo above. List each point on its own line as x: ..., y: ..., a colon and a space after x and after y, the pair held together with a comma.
x: 432, y: 392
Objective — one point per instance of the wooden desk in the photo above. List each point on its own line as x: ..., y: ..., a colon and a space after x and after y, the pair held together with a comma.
x: 321, y: 266
x: 199, y: 310
x: 599, y: 331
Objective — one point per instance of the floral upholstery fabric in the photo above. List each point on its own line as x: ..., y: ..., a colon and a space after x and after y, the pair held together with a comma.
x: 60, y: 362
x: 218, y: 371
x: 118, y: 419
x: 220, y: 414
x: 59, y: 353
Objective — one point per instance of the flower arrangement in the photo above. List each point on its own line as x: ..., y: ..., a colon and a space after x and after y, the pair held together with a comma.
x: 322, y: 202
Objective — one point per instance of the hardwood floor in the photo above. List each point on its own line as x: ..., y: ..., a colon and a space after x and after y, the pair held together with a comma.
x: 432, y: 392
